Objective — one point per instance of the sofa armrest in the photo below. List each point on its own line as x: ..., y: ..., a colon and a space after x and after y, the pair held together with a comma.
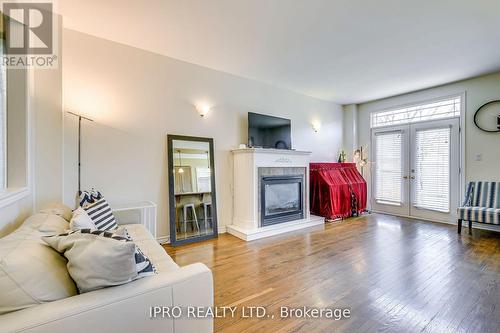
x: 124, y: 308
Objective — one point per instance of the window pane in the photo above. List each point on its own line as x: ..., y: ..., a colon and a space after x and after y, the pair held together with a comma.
x: 447, y: 108
x: 388, y: 167
x: 432, y: 173
x: 203, y: 179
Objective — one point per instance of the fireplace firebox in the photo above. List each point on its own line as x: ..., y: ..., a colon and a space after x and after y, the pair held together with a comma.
x: 282, y: 199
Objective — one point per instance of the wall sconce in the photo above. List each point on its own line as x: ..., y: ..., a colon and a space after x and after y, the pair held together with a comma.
x: 316, y: 126
x: 203, y: 110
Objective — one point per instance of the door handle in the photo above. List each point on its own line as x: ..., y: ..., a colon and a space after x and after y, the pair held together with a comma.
x: 412, y: 177
x: 405, y: 177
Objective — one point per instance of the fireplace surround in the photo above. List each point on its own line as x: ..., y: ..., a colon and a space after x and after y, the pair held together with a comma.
x: 278, y: 178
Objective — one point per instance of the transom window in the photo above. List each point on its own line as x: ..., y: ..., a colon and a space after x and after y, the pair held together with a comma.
x: 445, y: 108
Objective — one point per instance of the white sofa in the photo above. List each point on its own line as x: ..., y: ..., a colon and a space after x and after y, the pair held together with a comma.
x: 124, y: 308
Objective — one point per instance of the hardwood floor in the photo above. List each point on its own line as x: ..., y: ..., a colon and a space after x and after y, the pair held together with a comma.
x: 394, y: 274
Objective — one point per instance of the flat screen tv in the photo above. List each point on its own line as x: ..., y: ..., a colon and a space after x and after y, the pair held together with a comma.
x: 268, y: 132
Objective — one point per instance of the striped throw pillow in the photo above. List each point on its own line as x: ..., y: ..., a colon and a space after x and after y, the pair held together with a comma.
x: 89, y: 197
x: 100, y: 213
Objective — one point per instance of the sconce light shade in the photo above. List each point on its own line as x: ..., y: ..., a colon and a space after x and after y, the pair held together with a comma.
x: 316, y: 126
x: 203, y: 110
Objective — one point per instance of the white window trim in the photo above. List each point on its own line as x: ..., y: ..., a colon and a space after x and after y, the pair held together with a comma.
x: 11, y: 195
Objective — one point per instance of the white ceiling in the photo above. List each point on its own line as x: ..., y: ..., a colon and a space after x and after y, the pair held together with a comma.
x: 347, y: 51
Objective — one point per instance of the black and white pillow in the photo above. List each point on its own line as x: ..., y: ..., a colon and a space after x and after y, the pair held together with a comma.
x: 89, y: 197
x: 100, y: 213
x: 144, y: 266
x: 101, y: 233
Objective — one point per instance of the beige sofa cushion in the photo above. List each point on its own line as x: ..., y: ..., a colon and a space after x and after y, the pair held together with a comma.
x: 58, y: 209
x: 96, y: 259
x: 31, y: 272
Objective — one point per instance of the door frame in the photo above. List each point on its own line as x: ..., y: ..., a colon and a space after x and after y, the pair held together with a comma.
x: 461, y: 130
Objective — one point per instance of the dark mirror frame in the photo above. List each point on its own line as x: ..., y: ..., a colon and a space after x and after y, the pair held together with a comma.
x: 171, y: 186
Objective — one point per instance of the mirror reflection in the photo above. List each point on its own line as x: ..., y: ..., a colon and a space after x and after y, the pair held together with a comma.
x: 193, y: 210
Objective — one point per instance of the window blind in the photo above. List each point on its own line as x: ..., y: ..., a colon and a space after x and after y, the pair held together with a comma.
x: 389, y: 168
x: 432, y: 169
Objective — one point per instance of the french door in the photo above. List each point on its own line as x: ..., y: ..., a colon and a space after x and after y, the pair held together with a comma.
x: 416, y: 169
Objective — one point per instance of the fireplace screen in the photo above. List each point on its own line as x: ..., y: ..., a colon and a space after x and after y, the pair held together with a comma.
x: 281, y: 199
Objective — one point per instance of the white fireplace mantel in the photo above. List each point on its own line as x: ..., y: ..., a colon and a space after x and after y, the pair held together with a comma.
x: 246, y: 217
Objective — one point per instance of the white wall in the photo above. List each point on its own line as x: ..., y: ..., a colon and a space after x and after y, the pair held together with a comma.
x: 349, y: 132
x: 137, y: 97
x: 47, y: 154
x: 478, y: 91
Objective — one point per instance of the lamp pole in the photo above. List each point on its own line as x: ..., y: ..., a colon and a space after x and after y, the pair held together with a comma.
x: 80, y: 117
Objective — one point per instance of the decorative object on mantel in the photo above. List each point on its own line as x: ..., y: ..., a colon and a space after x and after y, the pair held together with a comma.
x: 487, y: 117
x: 285, y: 160
x: 342, y: 157
x: 360, y: 160
x: 337, y: 190
x: 80, y: 118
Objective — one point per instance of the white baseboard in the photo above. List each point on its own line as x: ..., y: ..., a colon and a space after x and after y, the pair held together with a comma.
x: 482, y: 226
x: 166, y: 239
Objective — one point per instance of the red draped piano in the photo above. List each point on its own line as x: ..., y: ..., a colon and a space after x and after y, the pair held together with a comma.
x: 337, y: 190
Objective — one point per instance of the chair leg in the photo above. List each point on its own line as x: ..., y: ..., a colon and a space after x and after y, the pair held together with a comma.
x: 470, y: 227
x: 184, y: 219
x: 459, y: 226
x: 205, y: 216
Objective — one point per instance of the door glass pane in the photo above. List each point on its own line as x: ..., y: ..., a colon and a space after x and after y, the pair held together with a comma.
x: 432, y: 169
x: 388, y: 167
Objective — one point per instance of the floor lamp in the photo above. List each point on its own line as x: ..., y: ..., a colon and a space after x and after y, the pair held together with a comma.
x: 80, y: 118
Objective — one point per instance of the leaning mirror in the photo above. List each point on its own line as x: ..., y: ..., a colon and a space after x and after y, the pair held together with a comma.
x: 193, y: 211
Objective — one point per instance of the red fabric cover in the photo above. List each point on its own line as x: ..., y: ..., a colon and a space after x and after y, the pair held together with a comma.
x: 330, y: 189
x: 358, y: 185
